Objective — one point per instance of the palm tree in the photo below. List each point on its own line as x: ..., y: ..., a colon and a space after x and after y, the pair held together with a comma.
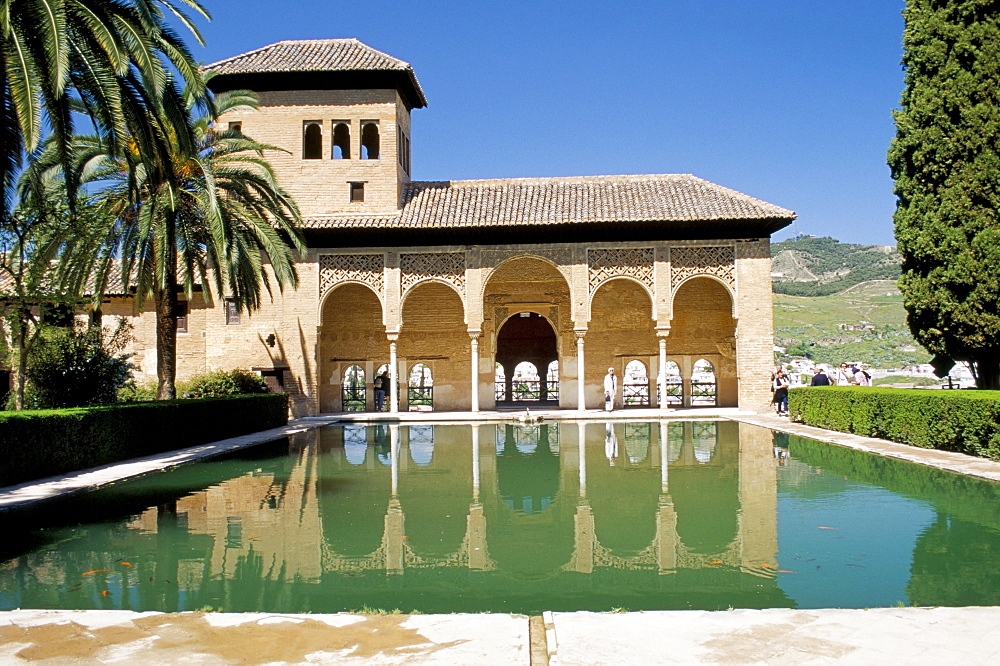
x: 110, y: 59
x: 217, y: 216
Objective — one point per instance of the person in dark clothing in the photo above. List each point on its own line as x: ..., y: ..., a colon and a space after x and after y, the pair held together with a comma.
x: 820, y: 378
x: 780, y: 386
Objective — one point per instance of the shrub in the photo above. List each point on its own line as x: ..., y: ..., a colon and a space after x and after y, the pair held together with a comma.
x: 35, y: 444
x: 79, y: 367
x: 964, y: 421
x: 227, y: 382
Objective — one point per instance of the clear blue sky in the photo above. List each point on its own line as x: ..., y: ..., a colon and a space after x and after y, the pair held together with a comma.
x: 789, y: 101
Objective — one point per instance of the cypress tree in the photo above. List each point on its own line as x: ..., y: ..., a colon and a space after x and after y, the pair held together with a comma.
x: 945, y: 160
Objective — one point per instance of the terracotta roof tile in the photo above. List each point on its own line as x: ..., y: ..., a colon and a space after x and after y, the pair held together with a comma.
x: 550, y: 201
x: 315, y: 55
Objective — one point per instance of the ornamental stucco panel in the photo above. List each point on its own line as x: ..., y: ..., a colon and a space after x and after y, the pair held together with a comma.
x: 688, y: 261
x: 446, y: 266
x: 632, y: 262
x: 368, y: 269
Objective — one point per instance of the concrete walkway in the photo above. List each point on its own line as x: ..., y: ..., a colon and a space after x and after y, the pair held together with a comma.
x: 773, y: 636
x: 776, y: 636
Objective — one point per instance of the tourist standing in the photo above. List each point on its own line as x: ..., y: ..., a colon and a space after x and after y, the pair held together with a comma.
x: 820, y: 378
x: 843, y: 376
x: 610, y: 389
x: 780, y: 388
x: 381, y: 384
x: 861, y: 378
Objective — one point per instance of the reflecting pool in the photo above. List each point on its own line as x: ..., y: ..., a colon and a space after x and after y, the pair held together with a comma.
x: 511, y: 518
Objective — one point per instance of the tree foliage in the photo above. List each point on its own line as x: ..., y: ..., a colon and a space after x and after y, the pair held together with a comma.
x: 945, y: 160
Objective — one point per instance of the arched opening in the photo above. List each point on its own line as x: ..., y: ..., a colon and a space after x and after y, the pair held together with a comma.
x: 369, y: 141
x: 421, y: 444
x: 499, y: 383
x: 420, y: 389
x: 352, y: 333
x: 433, y: 333
x: 621, y: 329
x: 635, y: 384
x: 552, y: 381
x: 353, y: 388
x: 703, y: 384
x: 341, y: 141
x: 525, y: 343
x: 703, y: 328
x: 674, y: 384
x: 312, y: 140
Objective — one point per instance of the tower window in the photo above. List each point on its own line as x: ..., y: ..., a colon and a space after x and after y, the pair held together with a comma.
x: 341, y: 140
x: 181, y: 316
x: 312, y: 140
x: 357, y: 192
x: 369, y: 140
x: 232, y: 312
x: 236, y: 127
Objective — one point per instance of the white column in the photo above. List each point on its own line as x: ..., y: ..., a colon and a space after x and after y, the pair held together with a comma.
x: 664, y: 429
x: 475, y: 463
x: 393, y: 378
x: 394, y: 457
x: 581, y: 437
x: 663, y: 373
x: 475, y: 372
x: 581, y: 387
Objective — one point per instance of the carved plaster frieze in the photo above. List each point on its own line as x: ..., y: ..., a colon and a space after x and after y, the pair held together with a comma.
x: 691, y: 260
x: 559, y: 256
x: 631, y: 262
x: 446, y: 266
x: 368, y: 269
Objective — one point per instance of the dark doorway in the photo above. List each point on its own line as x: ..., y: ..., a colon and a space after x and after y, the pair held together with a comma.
x: 526, y: 338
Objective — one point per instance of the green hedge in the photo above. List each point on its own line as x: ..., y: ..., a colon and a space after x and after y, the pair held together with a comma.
x: 965, y: 421
x: 36, y: 444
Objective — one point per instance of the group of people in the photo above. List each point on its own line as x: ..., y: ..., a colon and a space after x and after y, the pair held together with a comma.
x: 846, y: 375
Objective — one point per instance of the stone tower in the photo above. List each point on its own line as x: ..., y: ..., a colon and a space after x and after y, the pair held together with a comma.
x: 340, y: 109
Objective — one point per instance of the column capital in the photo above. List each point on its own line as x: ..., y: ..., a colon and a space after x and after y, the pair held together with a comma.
x: 393, y: 336
x: 663, y: 331
x: 580, y: 333
x: 475, y: 333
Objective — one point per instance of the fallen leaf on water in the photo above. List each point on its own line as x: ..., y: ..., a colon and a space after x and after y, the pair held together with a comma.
x: 87, y: 573
x: 128, y: 564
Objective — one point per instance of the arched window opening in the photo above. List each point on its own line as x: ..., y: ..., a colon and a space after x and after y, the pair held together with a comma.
x: 421, y: 443
x: 355, y: 444
x: 369, y: 141
x: 552, y: 381
x: 526, y: 385
x: 341, y: 141
x: 705, y: 437
x: 499, y: 383
x: 635, y: 384
x: 312, y: 140
x: 354, y: 389
x: 674, y: 382
x: 703, y: 386
x: 637, y: 441
x: 420, y: 389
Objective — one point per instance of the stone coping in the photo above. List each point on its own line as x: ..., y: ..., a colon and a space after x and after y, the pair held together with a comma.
x: 772, y: 636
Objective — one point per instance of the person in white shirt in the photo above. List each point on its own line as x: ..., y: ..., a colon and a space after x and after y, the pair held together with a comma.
x: 610, y: 389
x: 843, y: 376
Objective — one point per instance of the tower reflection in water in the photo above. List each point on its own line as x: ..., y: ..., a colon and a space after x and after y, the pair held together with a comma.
x: 450, y: 518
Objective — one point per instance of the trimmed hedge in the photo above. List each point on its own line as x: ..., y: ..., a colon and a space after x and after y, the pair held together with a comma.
x: 964, y: 421
x: 36, y: 444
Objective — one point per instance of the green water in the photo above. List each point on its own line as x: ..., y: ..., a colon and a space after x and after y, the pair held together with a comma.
x: 503, y: 518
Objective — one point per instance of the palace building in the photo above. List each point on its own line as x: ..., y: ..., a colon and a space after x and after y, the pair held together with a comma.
x: 478, y: 293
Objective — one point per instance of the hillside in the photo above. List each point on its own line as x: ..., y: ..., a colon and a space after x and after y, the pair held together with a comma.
x: 809, y: 266
x: 838, y: 302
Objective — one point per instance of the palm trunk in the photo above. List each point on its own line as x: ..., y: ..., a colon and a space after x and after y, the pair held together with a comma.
x: 166, y: 322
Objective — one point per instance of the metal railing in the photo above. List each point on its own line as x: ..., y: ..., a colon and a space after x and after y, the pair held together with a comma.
x: 552, y: 389
x: 635, y: 394
x: 353, y: 398
x: 526, y: 390
x: 703, y: 394
x: 675, y: 393
x: 420, y: 396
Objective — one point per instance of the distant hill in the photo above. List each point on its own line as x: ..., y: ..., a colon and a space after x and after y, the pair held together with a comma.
x: 810, y: 266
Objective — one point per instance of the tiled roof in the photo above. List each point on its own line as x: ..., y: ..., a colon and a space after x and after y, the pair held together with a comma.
x: 315, y: 55
x: 552, y: 201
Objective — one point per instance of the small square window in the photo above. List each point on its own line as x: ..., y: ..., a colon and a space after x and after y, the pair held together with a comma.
x: 232, y: 312
x: 236, y: 126
x: 357, y: 192
x: 181, y: 316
